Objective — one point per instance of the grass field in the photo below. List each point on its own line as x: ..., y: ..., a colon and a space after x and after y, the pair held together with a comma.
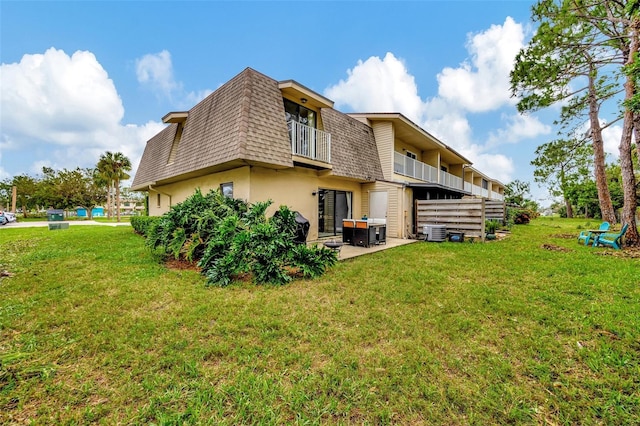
x: 101, y: 219
x: 533, y: 329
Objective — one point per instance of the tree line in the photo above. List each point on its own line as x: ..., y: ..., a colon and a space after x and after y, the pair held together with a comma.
x: 583, y: 59
x: 69, y: 189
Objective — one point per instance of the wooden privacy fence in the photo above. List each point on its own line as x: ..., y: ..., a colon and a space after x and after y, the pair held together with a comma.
x: 494, y: 209
x: 464, y: 215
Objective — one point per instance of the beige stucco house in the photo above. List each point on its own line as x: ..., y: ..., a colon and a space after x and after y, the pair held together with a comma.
x: 256, y: 138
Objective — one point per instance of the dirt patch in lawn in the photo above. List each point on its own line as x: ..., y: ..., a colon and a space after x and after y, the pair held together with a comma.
x: 553, y: 247
x: 181, y: 265
x: 565, y: 236
x: 626, y: 252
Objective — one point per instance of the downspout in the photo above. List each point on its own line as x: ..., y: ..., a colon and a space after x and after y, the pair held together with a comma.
x: 151, y: 188
x: 404, y: 214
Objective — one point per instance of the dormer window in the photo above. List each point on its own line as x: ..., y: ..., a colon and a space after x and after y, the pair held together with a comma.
x: 176, y: 142
x: 180, y: 118
x: 300, y: 114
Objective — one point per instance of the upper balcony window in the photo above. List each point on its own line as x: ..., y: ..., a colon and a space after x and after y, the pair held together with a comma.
x: 300, y: 114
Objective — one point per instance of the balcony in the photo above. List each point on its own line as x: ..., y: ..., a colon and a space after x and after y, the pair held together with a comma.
x: 447, y: 179
x: 496, y: 196
x: 309, y: 142
x: 407, y: 166
x: 476, y: 190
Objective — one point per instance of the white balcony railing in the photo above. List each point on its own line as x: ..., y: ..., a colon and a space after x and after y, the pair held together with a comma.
x: 447, y: 179
x: 478, y: 190
x: 309, y: 142
x: 407, y: 166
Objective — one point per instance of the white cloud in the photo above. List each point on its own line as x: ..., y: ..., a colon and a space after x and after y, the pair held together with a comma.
x: 611, y: 140
x: 483, y: 84
x: 63, y: 111
x: 53, y: 95
x: 497, y: 166
x: 611, y: 137
x: 518, y: 127
x: 479, y: 85
x: 379, y: 85
x: 447, y: 124
x: 3, y: 173
x: 155, y: 72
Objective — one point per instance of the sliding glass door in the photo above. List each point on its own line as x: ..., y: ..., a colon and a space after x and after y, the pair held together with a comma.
x: 333, y: 206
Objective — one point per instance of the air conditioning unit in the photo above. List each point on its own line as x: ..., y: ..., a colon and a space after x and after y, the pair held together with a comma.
x: 436, y: 233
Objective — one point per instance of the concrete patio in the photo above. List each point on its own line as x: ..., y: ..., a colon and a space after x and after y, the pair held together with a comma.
x: 348, y: 251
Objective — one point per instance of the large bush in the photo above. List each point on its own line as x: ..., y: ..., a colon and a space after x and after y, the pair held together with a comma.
x: 230, y: 238
x: 142, y: 224
x: 520, y: 216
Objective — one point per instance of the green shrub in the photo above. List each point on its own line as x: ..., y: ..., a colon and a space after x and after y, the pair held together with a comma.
x: 490, y: 226
x: 520, y: 216
x: 262, y: 247
x: 230, y: 239
x: 184, y: 230
x: 141, y: 224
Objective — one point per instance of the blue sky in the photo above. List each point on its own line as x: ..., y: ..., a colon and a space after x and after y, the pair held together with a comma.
x: 80, y: 78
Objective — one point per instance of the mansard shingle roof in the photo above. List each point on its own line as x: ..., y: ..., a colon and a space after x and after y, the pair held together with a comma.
x: 354, y: 153
x: 243, y: 122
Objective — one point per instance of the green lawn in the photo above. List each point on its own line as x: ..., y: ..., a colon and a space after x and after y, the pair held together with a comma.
x: 533, y: 329
x: 102, y: 219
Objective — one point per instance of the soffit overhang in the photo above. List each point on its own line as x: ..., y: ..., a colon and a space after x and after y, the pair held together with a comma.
x: 300, y: 94
x: 413, y: 134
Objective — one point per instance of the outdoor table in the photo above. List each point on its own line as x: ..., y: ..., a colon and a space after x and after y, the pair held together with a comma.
x: 595, y: 233
x: 365, y: 232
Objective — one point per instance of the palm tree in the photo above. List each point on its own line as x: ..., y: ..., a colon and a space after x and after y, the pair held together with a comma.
x: 105, y: 172
x: 113, y: 167
x: 102, y: 180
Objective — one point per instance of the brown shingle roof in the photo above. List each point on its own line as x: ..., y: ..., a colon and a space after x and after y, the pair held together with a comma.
x: 243, y: 120
x: 354, y: 152
x: 156, y: 154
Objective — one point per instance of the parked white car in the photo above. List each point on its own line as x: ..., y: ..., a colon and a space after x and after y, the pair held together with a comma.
x: 6, y: 217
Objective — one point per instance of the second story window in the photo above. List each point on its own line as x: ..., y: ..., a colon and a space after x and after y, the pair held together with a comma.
x: 411, y: 155
x: 485, y: 184
x: 300, y: 114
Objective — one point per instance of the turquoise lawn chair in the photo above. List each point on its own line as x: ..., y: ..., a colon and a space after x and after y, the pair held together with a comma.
x: 588, y: 236
x: 611, y: 239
